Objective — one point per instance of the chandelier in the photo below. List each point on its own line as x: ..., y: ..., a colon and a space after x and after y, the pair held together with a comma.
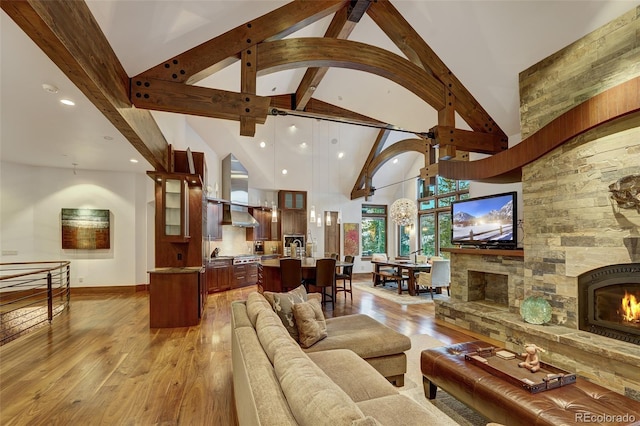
x: 403, y: 211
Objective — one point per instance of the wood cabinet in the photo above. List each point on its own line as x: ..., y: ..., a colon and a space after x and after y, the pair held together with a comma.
x: 245, y: 275
x: 214, y: 220
x: 292, y: 200
x: 177, y: 297
x: 262, y: 232
x: 294, y: 222
x: 219, y: 275
x: 175, y: 212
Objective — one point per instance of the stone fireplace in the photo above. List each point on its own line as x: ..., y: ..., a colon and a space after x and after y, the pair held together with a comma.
x: 609, y: 302
x: 572, y: 229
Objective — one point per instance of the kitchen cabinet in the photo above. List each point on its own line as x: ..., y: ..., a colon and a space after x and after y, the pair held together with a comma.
x: 219, y: 275
x: 294, y: 222
x: 175, y: 212
x: 262, y: 232
x: 245, y: 275
x: 292, y: 200
x: 177, y: 297
x: 214, y: 220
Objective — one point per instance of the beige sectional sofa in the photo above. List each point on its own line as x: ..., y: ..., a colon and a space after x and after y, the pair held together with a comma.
x: 276, y: 382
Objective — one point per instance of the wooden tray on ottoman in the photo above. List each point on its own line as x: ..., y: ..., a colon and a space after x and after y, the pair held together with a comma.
x: 548, y: 377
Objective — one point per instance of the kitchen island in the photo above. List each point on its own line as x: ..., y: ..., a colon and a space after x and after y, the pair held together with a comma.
x: 176, y: 296
x: 269, y: 272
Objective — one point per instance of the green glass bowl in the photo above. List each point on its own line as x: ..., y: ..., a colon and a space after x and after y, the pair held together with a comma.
x: 535, y: 310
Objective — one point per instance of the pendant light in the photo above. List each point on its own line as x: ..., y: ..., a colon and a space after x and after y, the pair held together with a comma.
x: 328, y: 218
x: 274, y: 209
x: 312, y: 212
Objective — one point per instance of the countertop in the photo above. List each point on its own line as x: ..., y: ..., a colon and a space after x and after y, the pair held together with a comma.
x: 173, y: 270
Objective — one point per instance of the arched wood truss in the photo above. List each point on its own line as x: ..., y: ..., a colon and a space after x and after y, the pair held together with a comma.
x: 69, y: 35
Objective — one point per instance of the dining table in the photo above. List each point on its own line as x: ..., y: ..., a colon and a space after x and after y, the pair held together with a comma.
x: 269, y: 272
x: 400, y: 267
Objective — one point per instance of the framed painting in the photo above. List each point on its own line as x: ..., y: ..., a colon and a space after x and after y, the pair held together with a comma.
x: 351, y: 239
x: 85, y: 229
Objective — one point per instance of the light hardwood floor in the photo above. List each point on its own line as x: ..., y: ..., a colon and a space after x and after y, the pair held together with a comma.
x: 99, y: 363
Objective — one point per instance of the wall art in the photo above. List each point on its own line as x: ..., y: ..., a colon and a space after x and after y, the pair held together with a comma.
x: 86, y: 229
x: 351, y: 239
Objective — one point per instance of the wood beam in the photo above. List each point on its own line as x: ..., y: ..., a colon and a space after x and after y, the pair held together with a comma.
x: 68, y: 34
x: 407, y: 145
x: 248, y: 75
x: 486, y: 143
x: 181, y: 98
x: 387, y: 17
x: 200, y: 62
x: 340, y: 27
x: 362, y: 186
x: 613, y: 110
x: 317, y: 51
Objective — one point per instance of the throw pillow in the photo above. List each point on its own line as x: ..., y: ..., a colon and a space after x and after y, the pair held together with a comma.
x: 282, y: 304
x: 310, y: 322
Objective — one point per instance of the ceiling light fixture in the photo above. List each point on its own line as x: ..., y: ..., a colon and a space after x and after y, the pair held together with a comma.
x: 108, y: 138
x: 68, y: 102
x: 263, y: 144
x: 403, y: 211
x: 133, y: 160
x: 340, y: 154
x: 284, y: 171
x: 49, y: 88
x: 303, y: 145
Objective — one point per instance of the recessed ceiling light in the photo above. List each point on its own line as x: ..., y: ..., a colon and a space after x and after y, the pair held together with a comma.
x: 133, y: 160
x: 334, y: 141
x: 67, y: 102
x: 49, y: 88
x: 303, y: 145
x: 395, y: 161
x: 292, y: 127
x: 340, y: 154
x: 284, y: 171
x: 262, y: 144
x: 108, y: 138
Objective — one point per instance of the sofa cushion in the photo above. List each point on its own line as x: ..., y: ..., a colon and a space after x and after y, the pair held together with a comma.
x: 364, y: 335
x: 314, y: 399
x: 400, y: 410
x: 355, y: 376
x: 310, y: 322
x: 272, y: 333
x: 239, y: 316
x: 255, y: 303
x: 257, y: 393
x: 282, y: 304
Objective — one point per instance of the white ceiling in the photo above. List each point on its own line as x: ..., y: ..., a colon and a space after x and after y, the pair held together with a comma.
x: 485, y: 43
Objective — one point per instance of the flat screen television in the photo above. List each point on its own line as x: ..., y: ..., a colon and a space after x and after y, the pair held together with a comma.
x: 488, y: 222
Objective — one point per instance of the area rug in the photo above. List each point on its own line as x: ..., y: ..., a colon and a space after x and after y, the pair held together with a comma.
x: 456, y: 412
x: 390, y: 292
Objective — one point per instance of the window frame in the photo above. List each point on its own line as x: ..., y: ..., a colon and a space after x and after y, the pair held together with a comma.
x: 383, y: 216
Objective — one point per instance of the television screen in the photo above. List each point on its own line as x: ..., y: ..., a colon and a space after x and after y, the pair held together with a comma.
x: 485, y: 221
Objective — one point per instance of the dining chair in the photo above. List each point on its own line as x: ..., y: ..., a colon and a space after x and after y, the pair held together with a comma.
x: 290, y: 273
x: 346, y: 274
x: 334, y: 256
x: 326, y: 278
x: 439, y: 276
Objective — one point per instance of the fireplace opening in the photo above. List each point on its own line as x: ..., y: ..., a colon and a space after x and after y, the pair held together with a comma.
x: 609, y: 302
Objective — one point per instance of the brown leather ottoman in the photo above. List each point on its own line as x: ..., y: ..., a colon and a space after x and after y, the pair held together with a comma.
x: 503, y: 402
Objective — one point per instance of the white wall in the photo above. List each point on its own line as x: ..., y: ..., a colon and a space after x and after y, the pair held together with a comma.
x: 31, y: 199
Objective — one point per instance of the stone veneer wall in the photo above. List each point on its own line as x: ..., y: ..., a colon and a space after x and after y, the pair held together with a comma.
x: 570, y: 224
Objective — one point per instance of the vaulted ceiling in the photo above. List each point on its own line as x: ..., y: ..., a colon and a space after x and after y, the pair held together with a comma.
x: 435, y: 68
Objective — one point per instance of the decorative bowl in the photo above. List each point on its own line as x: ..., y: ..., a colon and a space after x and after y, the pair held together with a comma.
x: 535, y: 310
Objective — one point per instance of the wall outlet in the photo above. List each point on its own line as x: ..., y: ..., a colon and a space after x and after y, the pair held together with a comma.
x: 80, y: 280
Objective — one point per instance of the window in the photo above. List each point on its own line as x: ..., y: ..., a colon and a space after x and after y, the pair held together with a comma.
x: 434, y: 211
x: 404, y: 242
x: 374, y: 229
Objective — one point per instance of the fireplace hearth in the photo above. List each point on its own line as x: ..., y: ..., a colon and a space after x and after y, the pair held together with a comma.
x: 609, y: 302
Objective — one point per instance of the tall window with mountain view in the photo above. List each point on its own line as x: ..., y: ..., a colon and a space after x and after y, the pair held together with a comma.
x: 374, y: 229
x: 434, y: 212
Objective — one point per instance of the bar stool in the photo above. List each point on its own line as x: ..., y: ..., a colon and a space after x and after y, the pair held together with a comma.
x: 347, y: 272
x: 326, y: 277
x: 290, y: 273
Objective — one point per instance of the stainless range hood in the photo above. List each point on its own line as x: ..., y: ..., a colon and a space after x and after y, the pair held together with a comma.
x: 235, y: 188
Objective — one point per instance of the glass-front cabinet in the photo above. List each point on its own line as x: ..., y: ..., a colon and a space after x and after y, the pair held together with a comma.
x: 175, y: 195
